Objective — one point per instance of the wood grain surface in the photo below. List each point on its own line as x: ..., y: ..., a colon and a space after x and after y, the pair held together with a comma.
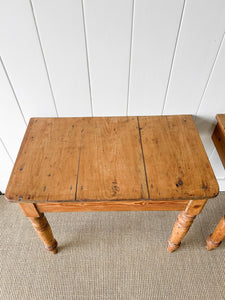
x: 47, y: 163
x: 111, y: 158
x: 111, y: 163
x: 176, y: 163
x: 215, y: 239
x: 120, y: 205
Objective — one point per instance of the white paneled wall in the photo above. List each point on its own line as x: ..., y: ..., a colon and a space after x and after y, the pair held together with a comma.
x: 60, y: 25
x: 110, y: 57
x: 153, y: 47
x: 6, y: 165
x: 108, y: 25
x: 22, y: 56
x: 201, y: 32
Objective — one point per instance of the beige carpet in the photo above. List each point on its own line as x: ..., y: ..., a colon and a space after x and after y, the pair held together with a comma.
x: 110, y: 255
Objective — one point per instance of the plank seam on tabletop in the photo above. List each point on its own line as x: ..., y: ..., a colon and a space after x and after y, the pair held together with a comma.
x: 6, y: 150
x: 143, y: 157
x: 87, y: 58
x: 43, y: 56
x: 173, y: 57
x: 14, y: 93
x: 210, y: 73
x: 131, y: 46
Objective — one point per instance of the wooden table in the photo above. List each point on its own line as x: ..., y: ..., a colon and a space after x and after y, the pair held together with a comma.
x: 215, y: 239
x: 111, y: 164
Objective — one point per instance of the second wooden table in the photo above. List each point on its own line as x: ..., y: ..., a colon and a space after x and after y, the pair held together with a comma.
x: 112, y: 163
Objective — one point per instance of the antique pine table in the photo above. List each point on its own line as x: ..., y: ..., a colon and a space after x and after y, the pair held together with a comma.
x: 215, y: 239
x: 111, y: 164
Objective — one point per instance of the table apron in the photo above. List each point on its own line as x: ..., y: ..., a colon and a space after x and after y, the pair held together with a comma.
x: 175, y: 205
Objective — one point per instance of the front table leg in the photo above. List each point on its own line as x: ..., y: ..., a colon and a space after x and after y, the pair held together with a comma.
x: 44, y: 231
x: 41, y: 226
x: 215, y: 239
x: 183, y: 223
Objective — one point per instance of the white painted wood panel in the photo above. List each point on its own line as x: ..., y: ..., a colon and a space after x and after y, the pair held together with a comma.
x: 221, y: 183
x: 199, y: 39
x: 156, y: 25
x: 108, y: 27
x: 12, y: 124
x: 6, y: 167
x: 22, y: 56
x: 61, y: 28
x: 217, y: 165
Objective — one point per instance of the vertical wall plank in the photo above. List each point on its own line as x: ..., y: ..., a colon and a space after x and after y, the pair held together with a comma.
x: 21, y: 53
x: 61, y: 28
x: 12, y: 124
x: 6, y: 167
x: 217, y: 165
x: 221, y: 183
x: 108, y: 26
x: 200, y: 36
x: 156, y: 25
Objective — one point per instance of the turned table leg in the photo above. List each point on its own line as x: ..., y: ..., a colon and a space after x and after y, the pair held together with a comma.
x: 44, y: 231
x: 215, y: 239
x: 183, y: 223
x: 41, y: 226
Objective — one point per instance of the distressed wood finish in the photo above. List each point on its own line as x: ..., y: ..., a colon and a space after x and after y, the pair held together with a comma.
x: 47, y: 163
x: 67, y: 159
x: 219, y: 137
x: 44, y: 231
x: 176, y: 163
x: 124, y: 205
x: 111, y: 164
x: 40, y: 225
x: 29, y: 209
x: 184, y: 222
x: 215, y: 239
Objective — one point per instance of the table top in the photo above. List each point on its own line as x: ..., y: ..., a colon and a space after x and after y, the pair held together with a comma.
x: 111, y: 158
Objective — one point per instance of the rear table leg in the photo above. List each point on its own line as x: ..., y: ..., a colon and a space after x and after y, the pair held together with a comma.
x: 215, y: 239
x: 40, y: 225
x: 183, y: 223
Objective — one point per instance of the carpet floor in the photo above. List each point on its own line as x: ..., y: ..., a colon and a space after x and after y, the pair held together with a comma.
x: 110, y: 255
